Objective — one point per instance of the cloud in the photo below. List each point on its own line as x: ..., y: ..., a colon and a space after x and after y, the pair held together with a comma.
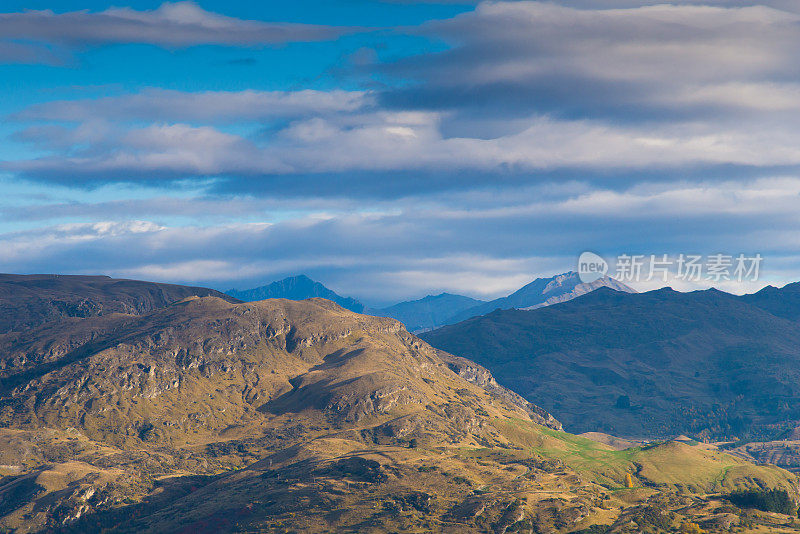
x: 172, y: 25
x: 479, y: 244
x: 527, y: 92
x: 210, y: 106
x: 629, y: 63
x: 297, y: 156
x: 16, y: 52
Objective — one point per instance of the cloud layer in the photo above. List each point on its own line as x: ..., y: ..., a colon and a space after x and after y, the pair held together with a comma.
x: 526, y: 133
x: 483, y: 244
x: 525, y: 88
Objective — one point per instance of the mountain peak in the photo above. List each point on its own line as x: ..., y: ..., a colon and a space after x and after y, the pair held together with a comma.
x: 298, y: 287
x: 544, y: 292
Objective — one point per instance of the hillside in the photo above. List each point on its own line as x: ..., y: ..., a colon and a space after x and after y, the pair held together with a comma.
x: 427, y: 313
x: 661, y: 363
x: 205, y: 365
x: 298, y: 287
x: 212, y: 416
x: 28, y: 301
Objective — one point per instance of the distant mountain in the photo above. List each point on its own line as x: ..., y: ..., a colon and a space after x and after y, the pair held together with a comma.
x: 296, y: 288
x: 660, y: 363
x: 541, y: 292
x: 28, y: 301
x: 427, y: 313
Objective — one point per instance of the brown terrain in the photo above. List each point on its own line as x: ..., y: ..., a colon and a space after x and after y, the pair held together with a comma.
x: 205, y: 415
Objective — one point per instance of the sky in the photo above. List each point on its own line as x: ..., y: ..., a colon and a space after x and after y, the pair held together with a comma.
x: 397, y: 148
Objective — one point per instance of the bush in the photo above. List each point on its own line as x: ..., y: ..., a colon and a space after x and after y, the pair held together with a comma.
x: 764, y: 500
x: 623, y: 402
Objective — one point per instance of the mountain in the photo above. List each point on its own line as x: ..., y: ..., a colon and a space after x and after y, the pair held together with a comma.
x: 661, y: 363
x: 541, y: 292
x: 275, y: 356
x: 783, y: 302
x: 434, y: 311
x: 28, y: 301
x: 296, y: 288
x: 286, y: 416
x: 427, y: 313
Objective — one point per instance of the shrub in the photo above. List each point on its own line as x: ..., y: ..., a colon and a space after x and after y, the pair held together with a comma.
x: 764, y: 500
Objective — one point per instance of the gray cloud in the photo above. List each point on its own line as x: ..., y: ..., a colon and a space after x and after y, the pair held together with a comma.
x: 311, y: 150
x: 210, y: 106
x: 16, y: 52
x: 172, y: 25
x: 527, y: 90
x: 544, y: 130
x: 651, y: 62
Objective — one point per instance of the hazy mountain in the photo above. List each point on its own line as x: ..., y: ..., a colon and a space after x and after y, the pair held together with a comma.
x: 541, y: 292
x: 427, y: 313
x: 296, y: 288
x: 653, y: 364
x: 27, y: 301
x: 211, y: 416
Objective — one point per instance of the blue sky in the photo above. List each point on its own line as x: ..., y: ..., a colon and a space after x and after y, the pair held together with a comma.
x: 395, y: 148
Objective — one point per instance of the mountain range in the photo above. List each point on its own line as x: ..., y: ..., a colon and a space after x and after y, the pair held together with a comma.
x: 704, y: 363
x: 206, y: 414
x: 435, y: 311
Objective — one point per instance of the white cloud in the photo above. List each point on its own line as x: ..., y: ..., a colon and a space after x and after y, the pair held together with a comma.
x: 400, y: 142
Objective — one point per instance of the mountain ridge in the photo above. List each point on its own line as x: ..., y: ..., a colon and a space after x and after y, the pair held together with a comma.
x: 433, y: 311
x: 28, y: 301
x: 706, y: 363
